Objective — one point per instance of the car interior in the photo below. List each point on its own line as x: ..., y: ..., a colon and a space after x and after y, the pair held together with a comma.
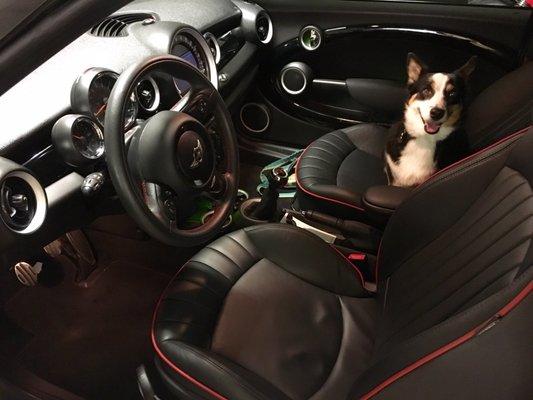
x: 194, y: 201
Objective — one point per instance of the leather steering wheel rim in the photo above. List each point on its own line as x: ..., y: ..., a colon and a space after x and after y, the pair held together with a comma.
x: 125, y: 182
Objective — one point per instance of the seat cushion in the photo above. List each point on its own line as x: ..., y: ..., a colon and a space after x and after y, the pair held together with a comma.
x: 334, y: 171
x: 250, y: 317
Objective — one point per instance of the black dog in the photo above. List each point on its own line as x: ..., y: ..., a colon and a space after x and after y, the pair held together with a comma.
x: 429, y: 136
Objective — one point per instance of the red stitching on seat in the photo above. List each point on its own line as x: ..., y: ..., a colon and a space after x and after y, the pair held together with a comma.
x: 450, y: 346
x: 166, y: 360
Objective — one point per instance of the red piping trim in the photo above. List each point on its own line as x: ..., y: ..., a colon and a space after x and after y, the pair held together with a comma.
x: 167, y: 361
x: 318, y: 196
x: 506, y: 138
x: 450, y: 346
x: 378, y: 256
x: 351, y: 264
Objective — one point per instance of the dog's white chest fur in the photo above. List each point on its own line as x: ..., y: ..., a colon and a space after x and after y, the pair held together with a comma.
x: 416, y: 163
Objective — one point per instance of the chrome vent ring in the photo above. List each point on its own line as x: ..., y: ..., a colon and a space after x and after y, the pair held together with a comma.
x: 23, y: 202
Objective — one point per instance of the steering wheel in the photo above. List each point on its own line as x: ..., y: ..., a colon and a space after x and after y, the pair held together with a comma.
x: 160, y: 167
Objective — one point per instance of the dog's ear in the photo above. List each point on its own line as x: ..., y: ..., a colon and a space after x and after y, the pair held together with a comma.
x: 415, y: 68
x: 467, y: 69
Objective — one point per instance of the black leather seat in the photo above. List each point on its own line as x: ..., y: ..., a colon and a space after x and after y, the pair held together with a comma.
x: 272, y: 312
x: 335, y: 171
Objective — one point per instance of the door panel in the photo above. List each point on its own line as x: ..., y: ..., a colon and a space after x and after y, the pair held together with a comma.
x: 358, y: 73
x: 358, y: 99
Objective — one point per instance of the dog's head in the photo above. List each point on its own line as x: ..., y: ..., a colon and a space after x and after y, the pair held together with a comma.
x: 436, y: 100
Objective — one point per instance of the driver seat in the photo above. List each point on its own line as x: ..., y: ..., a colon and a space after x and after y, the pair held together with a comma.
x: 272, y: 312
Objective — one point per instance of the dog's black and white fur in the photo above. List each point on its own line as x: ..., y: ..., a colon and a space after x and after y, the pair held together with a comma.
x: 429, y: 137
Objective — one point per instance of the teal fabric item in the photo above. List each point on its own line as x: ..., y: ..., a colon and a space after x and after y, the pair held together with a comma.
x: 288, y: 164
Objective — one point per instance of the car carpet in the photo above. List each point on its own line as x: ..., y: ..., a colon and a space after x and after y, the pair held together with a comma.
x: 90, y: 340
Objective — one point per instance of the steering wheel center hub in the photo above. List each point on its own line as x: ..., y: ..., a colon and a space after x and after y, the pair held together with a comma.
x: 194, y: 157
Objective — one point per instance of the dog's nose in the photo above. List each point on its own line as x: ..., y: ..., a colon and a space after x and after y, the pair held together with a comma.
x: 437, y: 113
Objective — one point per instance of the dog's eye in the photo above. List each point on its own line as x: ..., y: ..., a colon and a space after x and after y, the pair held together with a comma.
x: 452, y: 95
x: 426, y: 92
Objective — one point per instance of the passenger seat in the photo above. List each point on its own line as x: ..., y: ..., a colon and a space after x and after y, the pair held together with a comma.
x: 336, y: 170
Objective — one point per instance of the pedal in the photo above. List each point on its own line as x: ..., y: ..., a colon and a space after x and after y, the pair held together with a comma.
x: 26, y: 273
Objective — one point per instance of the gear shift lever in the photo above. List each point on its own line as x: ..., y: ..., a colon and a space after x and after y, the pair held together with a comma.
x: 266, y: 209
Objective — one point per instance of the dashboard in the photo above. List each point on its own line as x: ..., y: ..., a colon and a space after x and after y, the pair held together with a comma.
x: 54, y: 126
x: 79, y: 136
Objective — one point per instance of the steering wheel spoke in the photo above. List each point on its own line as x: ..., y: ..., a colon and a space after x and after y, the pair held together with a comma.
x: 161, y: 202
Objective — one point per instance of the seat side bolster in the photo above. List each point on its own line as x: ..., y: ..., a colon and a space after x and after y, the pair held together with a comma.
x: 221, y: 378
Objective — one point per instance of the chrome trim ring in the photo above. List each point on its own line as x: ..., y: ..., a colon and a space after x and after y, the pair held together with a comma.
x: 262, y: 107
x: 270, y: 33
x: 157, y: 99
x: 41, y: 201
x: 307, y: 46
x: 210, y: 38
x: 282, y: 81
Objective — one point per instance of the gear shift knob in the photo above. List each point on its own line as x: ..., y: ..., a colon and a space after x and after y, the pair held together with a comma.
x: 266, y: 209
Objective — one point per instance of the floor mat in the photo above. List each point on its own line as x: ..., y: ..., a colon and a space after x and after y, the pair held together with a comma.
x: 90, y: 340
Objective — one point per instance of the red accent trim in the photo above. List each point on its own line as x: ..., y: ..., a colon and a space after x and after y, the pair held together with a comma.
x: 361, y: 278
x: 378, y: 256
x: 450, y: 346
x: 511, y: 136
x: 167, y: 361
x: 318, y: 196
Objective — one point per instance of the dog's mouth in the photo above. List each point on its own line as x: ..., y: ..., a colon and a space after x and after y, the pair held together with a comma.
x: 431, y: 127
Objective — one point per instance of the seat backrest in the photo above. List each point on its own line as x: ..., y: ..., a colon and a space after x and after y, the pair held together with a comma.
x: 454, y: 253
x: 502, y: 108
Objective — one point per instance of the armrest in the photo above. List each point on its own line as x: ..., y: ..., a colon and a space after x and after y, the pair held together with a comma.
x: 382, y: 201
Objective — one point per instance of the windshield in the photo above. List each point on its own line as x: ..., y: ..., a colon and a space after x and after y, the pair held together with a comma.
x: 13, y: 12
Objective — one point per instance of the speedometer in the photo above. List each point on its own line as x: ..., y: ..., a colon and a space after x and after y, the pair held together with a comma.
x: 91, y: 92
x: 186, y: 48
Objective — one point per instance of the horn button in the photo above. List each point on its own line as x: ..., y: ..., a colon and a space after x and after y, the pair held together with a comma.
x: 194, y: 157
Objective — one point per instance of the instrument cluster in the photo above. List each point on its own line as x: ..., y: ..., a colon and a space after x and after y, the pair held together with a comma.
x: 79, y: 137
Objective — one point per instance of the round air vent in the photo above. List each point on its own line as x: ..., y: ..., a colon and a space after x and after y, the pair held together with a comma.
x: 212, y: 42
x: 255, y: 117
x: 22, y: 202
x: 263, y: 27
x: 148, y: 94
